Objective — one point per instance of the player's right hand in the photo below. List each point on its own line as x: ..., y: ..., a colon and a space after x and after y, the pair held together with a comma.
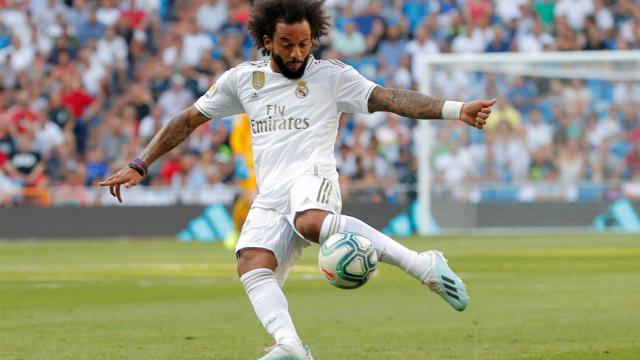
x: 125, y: 176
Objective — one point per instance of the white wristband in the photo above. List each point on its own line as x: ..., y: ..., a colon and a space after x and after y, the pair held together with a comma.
x: 451, y: 110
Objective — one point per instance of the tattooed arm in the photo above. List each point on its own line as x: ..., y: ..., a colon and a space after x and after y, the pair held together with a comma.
x: 418, y: 106
x: 174, y: 133
x: 405, y: 103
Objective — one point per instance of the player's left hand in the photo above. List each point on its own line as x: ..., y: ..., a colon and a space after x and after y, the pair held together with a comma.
x: 475, y: 113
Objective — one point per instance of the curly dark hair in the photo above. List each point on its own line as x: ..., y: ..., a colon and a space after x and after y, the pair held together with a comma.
x: 266, y: 14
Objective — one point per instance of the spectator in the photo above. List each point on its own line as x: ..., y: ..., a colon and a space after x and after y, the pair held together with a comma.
x: 349, y: 42
x: 392, y: 48
x: 190, y: 175
x: 422, y: 44
x: 176, y: 98
x: 231, y: 44
x: 535, y: 41
x: 47, y: 134
x: 603, y: 16
x: 577, y: 98
x: 7, y: 143
x: 22, y: 115
x: 508, y: 10
x: 151, y: 124
x: 499, y: 42
x: 375, y: 37
x: 523, y: 94
x: 571, y: 163
x: 504, y: 112
x: 390, y: 137
x: 26, y: 165
x: 510, y: 158
x: 476, y: 11
x: 346, y: 162
x: 471, y: 41
x: 566, y: 37
x: 97, y: 166
x: 15, y: 16
x: 22, y: 55
x: 94, y: 73
x: 539, y: 135
x: 212, y: 15
x: 72, y: 191
x: 78, y: 14
x: 595, y: 39
x: 576, y: 11
x: 626, y: 92
x: 108, y: 14
x: 451, y: 83
x: 454, y: 166
x: 112, y: 51
x: 113, y: 137
x: 194, y: 44
x: 91, y: 28
x: 544, y: 10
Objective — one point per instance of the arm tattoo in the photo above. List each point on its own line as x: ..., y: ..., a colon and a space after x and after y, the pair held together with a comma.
x: 405, y: 103
x: 174, y: 133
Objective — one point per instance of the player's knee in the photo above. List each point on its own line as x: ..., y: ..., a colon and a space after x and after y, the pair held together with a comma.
x: 308, y: 223
x: 255, y: 258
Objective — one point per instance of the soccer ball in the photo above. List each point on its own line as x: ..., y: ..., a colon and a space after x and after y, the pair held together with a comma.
x: 347, y: 260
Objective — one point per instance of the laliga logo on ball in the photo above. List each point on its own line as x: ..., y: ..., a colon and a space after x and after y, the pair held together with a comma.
x: 347, y: 260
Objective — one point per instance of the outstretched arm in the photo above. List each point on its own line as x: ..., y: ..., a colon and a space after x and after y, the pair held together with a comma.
x: 174, y: 133
x: 418, y: 106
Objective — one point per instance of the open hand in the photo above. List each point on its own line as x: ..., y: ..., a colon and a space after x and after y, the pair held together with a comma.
x: 475, y: 113
x: 126, y: 176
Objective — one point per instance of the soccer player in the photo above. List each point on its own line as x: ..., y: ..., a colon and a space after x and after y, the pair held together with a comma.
x: 293, y: 102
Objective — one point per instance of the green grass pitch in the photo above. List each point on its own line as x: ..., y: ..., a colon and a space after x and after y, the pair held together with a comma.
x: 539, y: 297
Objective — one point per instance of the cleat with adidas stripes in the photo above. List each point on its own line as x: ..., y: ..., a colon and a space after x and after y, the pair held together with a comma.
x: 443, y: 281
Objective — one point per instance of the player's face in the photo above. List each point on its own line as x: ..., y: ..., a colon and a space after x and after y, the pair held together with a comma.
x: 290, y: 48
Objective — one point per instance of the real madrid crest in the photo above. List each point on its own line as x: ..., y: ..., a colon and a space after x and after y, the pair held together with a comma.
x: 257, y: 80
x: 302, y: 90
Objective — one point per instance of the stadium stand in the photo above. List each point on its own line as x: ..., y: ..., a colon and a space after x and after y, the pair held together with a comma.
x: 85, y: 85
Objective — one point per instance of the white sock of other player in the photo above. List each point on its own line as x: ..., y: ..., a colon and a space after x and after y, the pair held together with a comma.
x: 388, y: 250
x: 270, y: 305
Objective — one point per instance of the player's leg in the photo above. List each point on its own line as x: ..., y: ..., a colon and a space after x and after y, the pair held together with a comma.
x: 429, y: 267
x: 315, y: 204
x: 317, y: 225
x: 262, y: 246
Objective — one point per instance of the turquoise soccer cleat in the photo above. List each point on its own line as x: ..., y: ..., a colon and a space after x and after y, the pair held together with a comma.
x: 443, y: 281
x: 287, y: 352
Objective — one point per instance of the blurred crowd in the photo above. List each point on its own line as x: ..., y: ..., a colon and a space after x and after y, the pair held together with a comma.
x: 86, y: 84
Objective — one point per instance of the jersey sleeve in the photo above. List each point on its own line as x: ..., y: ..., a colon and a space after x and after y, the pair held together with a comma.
x: 352, y: 91
x: 221, y: 100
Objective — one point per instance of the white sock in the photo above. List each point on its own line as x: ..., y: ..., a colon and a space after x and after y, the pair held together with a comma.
x: 270, y: 305
x: 389, y: 250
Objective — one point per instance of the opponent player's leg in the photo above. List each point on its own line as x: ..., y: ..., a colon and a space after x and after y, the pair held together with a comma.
x: 429, y: 267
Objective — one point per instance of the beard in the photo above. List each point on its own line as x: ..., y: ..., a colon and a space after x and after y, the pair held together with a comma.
x: 285, y: 71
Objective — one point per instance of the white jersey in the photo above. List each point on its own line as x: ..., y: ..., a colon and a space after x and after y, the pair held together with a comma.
x: 294, y: 123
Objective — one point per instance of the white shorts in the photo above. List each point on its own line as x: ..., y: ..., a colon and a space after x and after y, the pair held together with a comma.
x: 274, y: 231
